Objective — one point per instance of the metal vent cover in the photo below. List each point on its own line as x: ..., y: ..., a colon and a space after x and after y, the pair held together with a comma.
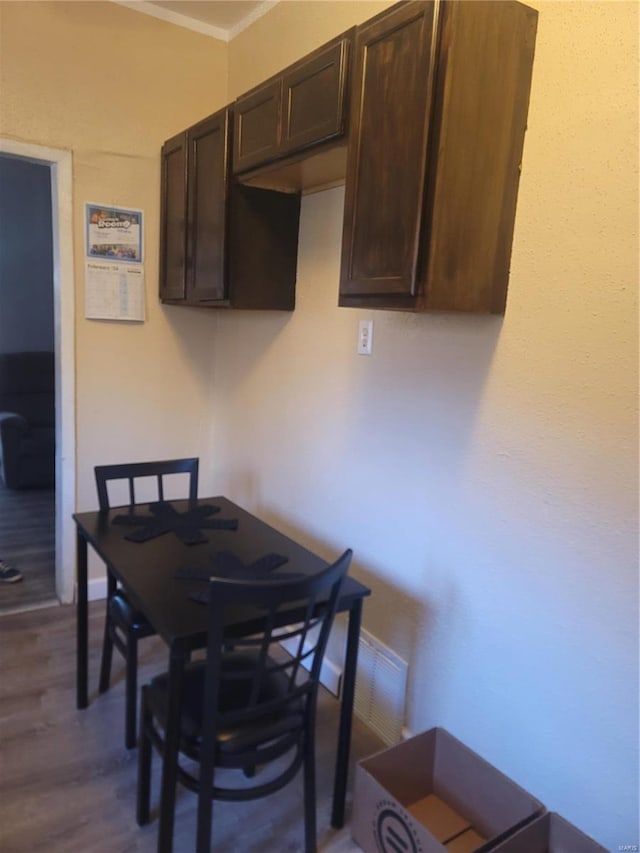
x: 381, y: 686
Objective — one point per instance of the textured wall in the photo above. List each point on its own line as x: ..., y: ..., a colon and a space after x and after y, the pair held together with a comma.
x: 288, y: 32
x: 484, y: 470
x: 111, y: 85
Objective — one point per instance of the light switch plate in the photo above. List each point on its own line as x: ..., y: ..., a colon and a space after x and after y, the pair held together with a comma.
x: 365, y: 337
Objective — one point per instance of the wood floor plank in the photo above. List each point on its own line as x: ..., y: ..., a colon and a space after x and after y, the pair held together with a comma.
x: 27, y: 542
x: 67, y: 784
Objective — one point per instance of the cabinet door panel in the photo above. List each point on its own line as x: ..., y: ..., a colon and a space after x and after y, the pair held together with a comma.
x: 173, y: 214
x: 486, y: 59
x: 257, y: 126
x: 313, y: 98
x: 208, y: 191
x: 384, y: 197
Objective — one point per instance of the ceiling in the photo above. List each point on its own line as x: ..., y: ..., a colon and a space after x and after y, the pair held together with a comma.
x: 221, y: 19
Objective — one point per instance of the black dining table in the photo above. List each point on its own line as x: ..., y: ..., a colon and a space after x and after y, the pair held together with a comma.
x: 162, y: 554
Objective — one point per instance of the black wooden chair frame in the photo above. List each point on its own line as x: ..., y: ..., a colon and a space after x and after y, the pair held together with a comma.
x: 265, y: 729
x: 123, y: 625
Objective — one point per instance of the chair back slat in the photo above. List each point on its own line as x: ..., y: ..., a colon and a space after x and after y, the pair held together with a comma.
x: 256, y: 661
x: 133, y: 471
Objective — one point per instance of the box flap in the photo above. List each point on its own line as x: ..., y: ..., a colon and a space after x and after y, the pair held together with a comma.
x: 549, y: 834
x: 406, y: 769
x: 491, y: 801
x: 564, y: 836
x: 534, y: 838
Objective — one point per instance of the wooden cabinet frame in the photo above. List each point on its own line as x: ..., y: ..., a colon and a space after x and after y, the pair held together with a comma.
x: 222, y: 245
x: 432, y: 229
x: 437, y: 111
x: 290, y: 131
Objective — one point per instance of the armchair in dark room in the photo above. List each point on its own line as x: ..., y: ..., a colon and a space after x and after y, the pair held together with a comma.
x: 27, y: 419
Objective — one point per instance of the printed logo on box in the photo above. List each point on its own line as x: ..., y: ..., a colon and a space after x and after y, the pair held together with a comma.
x: 393, y: 830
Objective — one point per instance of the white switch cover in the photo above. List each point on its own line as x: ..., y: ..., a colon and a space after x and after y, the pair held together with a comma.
x: 365, y: 337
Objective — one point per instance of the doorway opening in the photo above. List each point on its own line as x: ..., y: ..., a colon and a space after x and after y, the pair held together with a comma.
x: 59, y: 164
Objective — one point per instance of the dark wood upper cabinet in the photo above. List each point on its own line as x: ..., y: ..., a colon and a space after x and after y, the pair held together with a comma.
x: 257, y: 126
x: 222, y: 244
x: 173, y: 215
x: 387, y: 158
x: 434, y: 95
x: 438, y: 115
x: 207, y: 204
x: 283, y: 121
x: 313, y: 97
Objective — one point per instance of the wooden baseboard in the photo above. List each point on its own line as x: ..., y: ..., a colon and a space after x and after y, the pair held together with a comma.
x: 97, y: 589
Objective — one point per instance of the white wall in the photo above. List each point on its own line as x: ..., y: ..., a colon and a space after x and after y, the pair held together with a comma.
x: 26, y: 263
x: 484, y: 470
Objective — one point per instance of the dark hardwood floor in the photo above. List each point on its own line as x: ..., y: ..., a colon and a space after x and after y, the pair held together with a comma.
x: 67, y: 784
x: 27, y: 541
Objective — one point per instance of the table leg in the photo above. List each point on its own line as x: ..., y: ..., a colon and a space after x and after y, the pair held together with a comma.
x: 177, y: 659
x: 82, y: 662
x: 346, y: 714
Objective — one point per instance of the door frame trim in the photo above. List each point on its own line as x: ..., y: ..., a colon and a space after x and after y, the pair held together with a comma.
x: 60, y: 167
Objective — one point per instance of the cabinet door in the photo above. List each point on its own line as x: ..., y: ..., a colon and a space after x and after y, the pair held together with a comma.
x: 485, y: 62
x: 257, y: 126
x: 208, y: 190
x: 173, y: 217
x: 313, y: 95
x: 388, y: 151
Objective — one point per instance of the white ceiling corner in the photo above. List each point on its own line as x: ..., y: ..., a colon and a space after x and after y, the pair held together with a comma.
x: 257, y: 12
x: 219, y: 19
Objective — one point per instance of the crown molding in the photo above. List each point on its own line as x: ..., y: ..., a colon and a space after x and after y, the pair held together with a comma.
x: 201, y: 27
x: 258, y: 12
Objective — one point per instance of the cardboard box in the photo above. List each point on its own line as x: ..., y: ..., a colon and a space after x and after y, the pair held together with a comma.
x: 549, y: 834
x: 432, y: 794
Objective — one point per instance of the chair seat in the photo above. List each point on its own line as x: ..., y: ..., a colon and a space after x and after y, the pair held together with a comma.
x: 126, y: 617
x: 235, y: 737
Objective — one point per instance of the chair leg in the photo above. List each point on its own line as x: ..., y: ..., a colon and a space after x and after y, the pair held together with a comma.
x: 107, y: 654
x: 203, y: 832
x: 145, y: 753
x: 131, y: 691
x: 309, y: 773
x: 205, y: 810
x: 107, y: 643
x: 205, y: 784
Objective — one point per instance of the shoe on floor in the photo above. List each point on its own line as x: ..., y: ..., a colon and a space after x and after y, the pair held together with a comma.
x: 8, y: 574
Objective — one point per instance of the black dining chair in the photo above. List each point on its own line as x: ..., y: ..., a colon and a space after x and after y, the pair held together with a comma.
x: 247, y: 705
x: 124, y: 625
